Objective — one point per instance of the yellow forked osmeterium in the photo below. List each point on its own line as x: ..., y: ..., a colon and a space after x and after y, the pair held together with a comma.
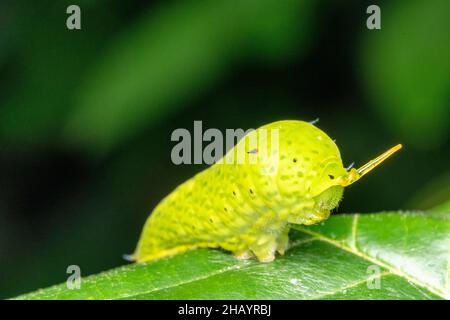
x: 247, y: 208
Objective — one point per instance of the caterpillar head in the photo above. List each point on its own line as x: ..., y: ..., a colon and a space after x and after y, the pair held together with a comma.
x: 333, y: 179
x: 310, y: 164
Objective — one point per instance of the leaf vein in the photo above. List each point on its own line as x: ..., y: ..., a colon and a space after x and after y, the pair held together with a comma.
x: 352, y: 285
x: 374, y: 260
x: 354, y: 230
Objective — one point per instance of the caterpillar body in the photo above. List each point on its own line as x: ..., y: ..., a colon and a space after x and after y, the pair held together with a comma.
x: 247, y: 208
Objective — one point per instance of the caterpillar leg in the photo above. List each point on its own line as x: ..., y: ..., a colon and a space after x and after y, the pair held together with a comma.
x: 265, y: 254
x: 264, y: 250
x: 283, y: 240
x: 243, y: 254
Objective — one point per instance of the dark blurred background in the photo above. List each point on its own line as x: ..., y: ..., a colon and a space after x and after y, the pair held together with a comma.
x: 86, y: 115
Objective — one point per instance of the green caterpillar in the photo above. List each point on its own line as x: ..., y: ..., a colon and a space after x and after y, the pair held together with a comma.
x: 247, y: 208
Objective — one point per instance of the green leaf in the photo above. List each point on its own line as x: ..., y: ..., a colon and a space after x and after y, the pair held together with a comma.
x: 338, y: 259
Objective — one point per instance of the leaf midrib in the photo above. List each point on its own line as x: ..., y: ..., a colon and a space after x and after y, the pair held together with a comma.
x: 352, y: 249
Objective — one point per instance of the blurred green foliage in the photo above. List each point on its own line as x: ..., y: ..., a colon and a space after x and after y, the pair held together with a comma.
x: 170, y: 54
x: 408, y: 71
x: 86, y: 116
